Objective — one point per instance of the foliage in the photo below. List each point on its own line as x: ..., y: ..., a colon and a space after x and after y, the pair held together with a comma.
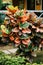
x: 14, y: 60
x: 26, y: 33
x: 0, y: 4
x: 9, y: 60
x: 2, y: 17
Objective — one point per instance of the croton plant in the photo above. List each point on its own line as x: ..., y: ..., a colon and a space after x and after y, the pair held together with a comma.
x: 24, y: 29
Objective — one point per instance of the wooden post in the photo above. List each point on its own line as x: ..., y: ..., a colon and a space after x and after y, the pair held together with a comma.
x: 25, y: 4
x: 38, y: 4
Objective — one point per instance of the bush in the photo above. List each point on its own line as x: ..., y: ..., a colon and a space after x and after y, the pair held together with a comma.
x: 17, y: 60
x: 23, y: 29
x: 9, y: 60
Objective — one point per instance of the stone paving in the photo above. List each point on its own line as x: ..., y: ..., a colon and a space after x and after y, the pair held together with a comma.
x: 9, y: 51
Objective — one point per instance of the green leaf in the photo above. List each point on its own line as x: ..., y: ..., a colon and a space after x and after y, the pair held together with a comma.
x: 29, y: 48
x: 24, y: 25
x: 39, y: 35
x: 34, y: 48
x: 7, y: 31
x: 19, y: 13
x: 0, y: 34
x: 28, y: 63
x: 34, y: 64
x: 24, y: 37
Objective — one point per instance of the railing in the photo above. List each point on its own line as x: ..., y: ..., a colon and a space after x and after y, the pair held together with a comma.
x: 3, y: 11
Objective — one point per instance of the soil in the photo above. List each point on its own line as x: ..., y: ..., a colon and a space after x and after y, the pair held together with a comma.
x: 6, y: 47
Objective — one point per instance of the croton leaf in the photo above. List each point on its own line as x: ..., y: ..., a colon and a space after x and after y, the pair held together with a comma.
x: 34, y: 48
x: 24, y: 25
x: 0, y: 34
x: 7, y: 31
x: 24, y: 36
x: 19, y: 13
x: 4, y: 29
x: 29, y: 48
x: 40, y: 35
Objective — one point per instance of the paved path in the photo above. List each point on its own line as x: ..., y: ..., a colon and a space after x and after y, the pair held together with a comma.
x: 9, y: 51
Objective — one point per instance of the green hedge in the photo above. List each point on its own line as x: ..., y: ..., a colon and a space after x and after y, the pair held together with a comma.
x: 2, y: 17
x: 0, y: 4
x: 13, y: 60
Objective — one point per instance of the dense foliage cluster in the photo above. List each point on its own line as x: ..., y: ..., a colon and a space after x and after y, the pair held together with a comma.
x: 24, y: 29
